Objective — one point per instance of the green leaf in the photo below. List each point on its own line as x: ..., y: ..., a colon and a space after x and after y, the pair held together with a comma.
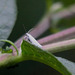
x: 61, y: 24
x: 48, y: 4
x: 7, y: 17
x: 7, y: 50
x: 30, y: 52
x: 68, y: 2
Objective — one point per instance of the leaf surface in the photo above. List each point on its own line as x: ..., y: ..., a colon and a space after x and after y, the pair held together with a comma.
x: 30, y: 52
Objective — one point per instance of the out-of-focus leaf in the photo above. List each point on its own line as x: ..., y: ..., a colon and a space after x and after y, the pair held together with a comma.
x: 30, y: 52
x: 66, y: 2
x: 63, y: 19
x: 68, y: 64
x: 66, y: 23
x: 48, y: 4
x: 7, y: 17
x: 63, y: 24
x: 56, y: 7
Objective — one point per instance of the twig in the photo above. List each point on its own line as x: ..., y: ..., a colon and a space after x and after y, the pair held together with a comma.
x: 63, y: 35
x: 60, y: 46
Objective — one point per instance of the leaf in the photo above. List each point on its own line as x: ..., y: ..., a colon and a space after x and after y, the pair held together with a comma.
x: 48, y: 4
x: 7, y: 17
x: 68, y: 64
x: 61, y: 24
x: 68, y: 2
x: 30, y: 52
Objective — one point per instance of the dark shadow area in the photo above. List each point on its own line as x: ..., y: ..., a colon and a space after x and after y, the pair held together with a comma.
x: 29, y: 68
x: 70, y: 55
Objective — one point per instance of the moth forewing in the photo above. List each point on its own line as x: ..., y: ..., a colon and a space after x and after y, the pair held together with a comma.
x: 32, y: 40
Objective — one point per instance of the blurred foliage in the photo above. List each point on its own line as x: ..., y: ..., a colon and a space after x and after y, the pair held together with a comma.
x: 66, y: 3
x: 62, y: 24
x: 66, y: 23
x: 48, y: 4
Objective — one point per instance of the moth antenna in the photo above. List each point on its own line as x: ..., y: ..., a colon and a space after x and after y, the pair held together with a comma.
x: 24, y: 28
x: 30, y: 30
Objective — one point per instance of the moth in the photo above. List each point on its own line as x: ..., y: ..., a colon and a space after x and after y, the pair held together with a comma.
x: 32, y: 40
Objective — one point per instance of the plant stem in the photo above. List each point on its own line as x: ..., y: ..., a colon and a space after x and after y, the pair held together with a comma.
x: 63, y: 35
x: 60, y: 46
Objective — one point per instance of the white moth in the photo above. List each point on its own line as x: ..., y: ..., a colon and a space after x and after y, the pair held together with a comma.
x: 32, y: 40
